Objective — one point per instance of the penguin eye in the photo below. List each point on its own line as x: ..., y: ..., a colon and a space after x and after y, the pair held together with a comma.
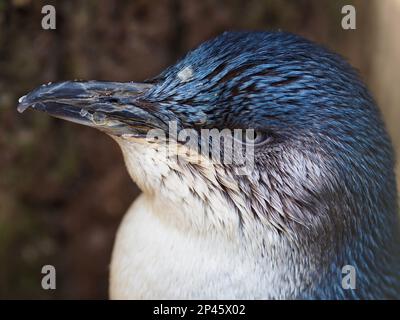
x: 255, y: 137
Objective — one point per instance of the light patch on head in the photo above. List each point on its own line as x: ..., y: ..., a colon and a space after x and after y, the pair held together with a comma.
x: 185, y: 74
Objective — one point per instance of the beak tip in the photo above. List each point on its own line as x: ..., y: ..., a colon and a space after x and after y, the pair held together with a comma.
x: 22, y: 105
x: 21, y: 99
x: 22, y: 108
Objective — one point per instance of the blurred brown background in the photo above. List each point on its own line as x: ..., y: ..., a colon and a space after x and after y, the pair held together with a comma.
x: 64, y: 188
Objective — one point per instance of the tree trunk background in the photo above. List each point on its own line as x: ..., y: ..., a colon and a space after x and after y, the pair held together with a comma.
x: 63, y: 187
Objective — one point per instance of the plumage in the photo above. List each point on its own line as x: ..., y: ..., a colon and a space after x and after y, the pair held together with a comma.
x: 321, y: 194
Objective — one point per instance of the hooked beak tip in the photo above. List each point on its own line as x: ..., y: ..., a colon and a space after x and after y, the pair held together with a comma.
x: 21, y: 105
x: 21, y: 99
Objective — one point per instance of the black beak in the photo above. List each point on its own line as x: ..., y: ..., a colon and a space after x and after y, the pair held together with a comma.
x: 114, y: 107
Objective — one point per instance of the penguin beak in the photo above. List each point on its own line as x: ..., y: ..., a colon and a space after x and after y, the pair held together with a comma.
x: 116, y: 108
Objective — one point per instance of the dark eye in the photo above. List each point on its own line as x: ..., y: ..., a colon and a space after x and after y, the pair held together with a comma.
x: 255, y: 137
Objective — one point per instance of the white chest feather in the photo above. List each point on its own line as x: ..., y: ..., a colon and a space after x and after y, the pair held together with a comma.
x: 153, y: 260
x: 181, y: 239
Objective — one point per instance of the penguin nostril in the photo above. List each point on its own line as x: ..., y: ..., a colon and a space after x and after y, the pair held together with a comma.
x: 110, y: 99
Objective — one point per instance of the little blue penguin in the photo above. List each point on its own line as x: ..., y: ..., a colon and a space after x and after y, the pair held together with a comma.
x: 308, y: 212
